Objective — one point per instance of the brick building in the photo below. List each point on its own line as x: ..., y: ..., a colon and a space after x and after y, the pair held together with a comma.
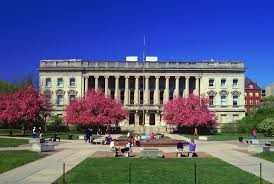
x: 253, y: 95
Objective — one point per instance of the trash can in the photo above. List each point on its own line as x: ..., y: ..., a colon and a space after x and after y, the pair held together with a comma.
x: 241, y: 139
x: 70, y: 136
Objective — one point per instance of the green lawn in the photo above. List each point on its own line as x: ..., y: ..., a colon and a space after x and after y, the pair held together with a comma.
x: 266, y: 155
x: 157, y: 171
x: 227, y: 136
x: 12, y: 159
x: 10, y: 142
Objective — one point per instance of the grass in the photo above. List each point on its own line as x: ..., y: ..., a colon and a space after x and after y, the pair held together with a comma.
x: 10, y: 142
x: 266, y: 155
x: 157, y: 171
x: 12, y: 159
x: 227, y: 136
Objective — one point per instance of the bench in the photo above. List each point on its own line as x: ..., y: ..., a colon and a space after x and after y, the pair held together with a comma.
x: 151, y: 152
x: 115, y: 152
x: 98, y: 140
x: 188, y: 153
x: 43, y: 147
x: 205, y: 138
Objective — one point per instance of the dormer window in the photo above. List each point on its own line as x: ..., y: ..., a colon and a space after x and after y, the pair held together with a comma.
x: 250, y: 86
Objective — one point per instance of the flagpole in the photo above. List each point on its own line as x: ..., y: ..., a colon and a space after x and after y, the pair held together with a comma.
x: 144, y: 58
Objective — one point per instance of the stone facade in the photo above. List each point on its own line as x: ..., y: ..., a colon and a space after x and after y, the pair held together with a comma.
x: 144, y: 86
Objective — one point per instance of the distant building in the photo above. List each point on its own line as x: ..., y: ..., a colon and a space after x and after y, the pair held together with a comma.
x: 263, y: 92
x: 253, y: 95
x: 269, y: 90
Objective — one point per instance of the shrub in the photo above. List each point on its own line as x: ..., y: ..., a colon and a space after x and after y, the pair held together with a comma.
x: 229, y: 128
x: 56, y: 124
x: 267, y: 126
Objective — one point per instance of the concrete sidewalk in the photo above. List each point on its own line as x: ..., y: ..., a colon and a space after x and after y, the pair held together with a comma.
x: 50, y: 168
x: 228, y: 152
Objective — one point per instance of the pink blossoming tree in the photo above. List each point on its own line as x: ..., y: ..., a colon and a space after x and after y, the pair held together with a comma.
x: 95, y: 109
x: 25, y: 105
x: 190, y: 111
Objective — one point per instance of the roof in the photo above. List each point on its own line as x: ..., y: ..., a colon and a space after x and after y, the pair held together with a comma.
x: 249, y: 84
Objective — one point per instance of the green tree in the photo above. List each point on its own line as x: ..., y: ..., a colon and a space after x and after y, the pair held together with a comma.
x: 267, y: 126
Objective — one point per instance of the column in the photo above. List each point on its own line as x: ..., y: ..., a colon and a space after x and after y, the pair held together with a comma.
x: 82, y: 86
x: 136, y: 91
x: 187, y: 86
x: 126, y: 95
x: 116, y: 93
x: 106, y: 86
x: 146, y: 123
x: 157, y: 119
x: 146, y: 92
x: 166, y: 90
x: 156, y: 91
x: 86, y: 84
x: 197, y: 86
x: 96, y: 82
x: 176, y: 91
x: 136, y: 118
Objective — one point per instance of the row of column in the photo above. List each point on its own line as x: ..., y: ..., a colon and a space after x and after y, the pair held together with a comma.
x: 146, y: 91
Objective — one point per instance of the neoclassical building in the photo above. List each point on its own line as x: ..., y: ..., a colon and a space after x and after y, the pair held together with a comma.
x: 143, y: 87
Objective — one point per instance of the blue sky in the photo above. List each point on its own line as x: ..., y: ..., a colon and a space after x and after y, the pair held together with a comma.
x: 184, y: 30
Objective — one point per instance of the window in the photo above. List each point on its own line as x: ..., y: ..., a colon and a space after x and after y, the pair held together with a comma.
x: 211, y: 82
x: 257, y: 94
x: 235, y: 100
x: 235, y: 83
x: 48, y: 82
x: 250, y: 94
x: 250, y: 102
x: 211, y: 100
x: 60, y: 100
x: 223, y: 83
x: 250, y: 86
x: 60, y: 82
x: 72, y: 82
x: 71, y: 98
x: 223, y: 100
x: 257, y: 102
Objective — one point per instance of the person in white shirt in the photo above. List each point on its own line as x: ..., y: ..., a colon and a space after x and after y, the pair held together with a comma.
x: 127, y: 148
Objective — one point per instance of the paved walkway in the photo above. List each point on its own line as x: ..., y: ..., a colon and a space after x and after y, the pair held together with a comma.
x: 229, y: 152
x: 50, y: 168
x: 72, y: 152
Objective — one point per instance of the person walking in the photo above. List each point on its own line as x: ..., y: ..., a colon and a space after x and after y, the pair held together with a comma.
x: 88, y: 135
x: 195, y: 131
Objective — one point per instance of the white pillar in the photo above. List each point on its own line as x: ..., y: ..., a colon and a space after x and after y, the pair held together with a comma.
x: 197, y: 85
x: 126, y: 95
x: 136, y: 118
x: 166, y: 90
x: 136, y: 91
x: 146, y: 123
x: 176, y: 91
x: 86, y: 84
x: 156, y: 91
x: 106, y: 86
x: 82, y: 86
x: 146, y: 92
x: 96, y: 82
x: 116, y: 93
x: 187, y: 86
